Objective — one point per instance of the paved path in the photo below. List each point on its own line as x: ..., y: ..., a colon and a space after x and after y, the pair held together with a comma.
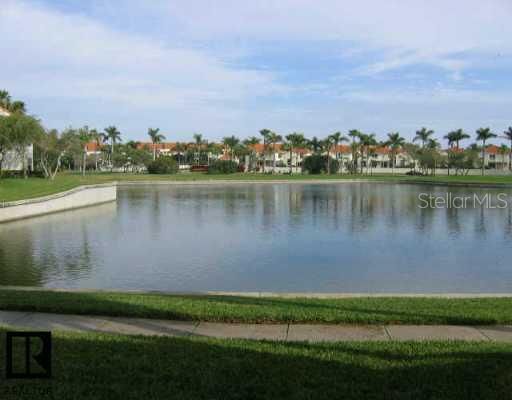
x: 286, y: 332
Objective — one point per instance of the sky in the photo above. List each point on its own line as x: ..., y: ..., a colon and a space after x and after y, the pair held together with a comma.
x: 229, y: 67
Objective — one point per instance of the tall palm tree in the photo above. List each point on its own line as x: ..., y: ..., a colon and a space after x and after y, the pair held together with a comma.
x: 230, y: 142
x: 250, y: 143
x: 84, y: 136
x: 198, y: 140
x: 314, y: 144
x: 17, y: 107
x: 423, y: 135
x: 354, y: 134
x: 114, y: 136
x: 327, y: 145
x: 294, y: 140
x: 503, y: 149
x: 5, y: 99
x: 265, y: 133
x: 456, y: 136
x: 484, y: 134
x: 508, y: 135
x: 433, y: 145
x: 274, y: 139
x: 97, y: 139
x: 156, y: 138
x: 181, y: 148
x: 336, y: 139
x: 367, y: 142
x: 395, y: 142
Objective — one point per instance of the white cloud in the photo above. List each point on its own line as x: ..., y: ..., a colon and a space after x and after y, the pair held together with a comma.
x: 407, y: 31
x: 76, y: 57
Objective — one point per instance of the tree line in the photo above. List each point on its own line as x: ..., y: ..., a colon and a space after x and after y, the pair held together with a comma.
x: 54, y: 150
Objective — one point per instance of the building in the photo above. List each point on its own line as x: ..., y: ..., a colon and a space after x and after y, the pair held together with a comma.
x: 11, y: 161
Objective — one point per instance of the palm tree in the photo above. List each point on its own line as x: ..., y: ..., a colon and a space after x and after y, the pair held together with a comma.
x: 395, y: 142
x: 96, y: 138
x: 433, y: 146
x: 508, y: 135
x: 230, y: 142
x: 367, y: 141
x: 484, y: 134
x: 423, y: 135
x: 84, y: 137
x: 327, y: 145
x: 354, y: 134
x: 314, y: 144
x: 336, y: 139
x: 156, y: 138
x: 503, y: 149
x: 250, y: 143
x: 17, y: 107
x: 112, y: 134
x: 266, y: 135
x: 294, y: 140
x: 180, y: 148
x: 5, y: 99
x: 274, y: 139
x: 456, y: 136
x: 198, y: 139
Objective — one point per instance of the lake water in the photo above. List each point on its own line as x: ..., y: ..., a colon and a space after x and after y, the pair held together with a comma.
x: 349, y: 237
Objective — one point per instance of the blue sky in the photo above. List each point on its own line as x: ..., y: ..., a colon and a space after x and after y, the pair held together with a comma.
x: 230, y: 67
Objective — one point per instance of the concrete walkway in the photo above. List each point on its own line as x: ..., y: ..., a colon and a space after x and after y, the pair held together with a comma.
x: 284, y: 332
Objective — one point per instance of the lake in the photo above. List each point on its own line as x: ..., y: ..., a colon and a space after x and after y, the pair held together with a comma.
x: 298, y: 237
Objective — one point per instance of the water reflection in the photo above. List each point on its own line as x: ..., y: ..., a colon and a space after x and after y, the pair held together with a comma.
x: 296, y: 237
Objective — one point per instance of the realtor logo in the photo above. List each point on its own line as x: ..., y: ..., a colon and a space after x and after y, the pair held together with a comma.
x: 28, y: 355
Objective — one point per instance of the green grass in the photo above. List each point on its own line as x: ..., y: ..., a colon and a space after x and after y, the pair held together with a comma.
x: 102, y: 366
x: 16, y: 189
x: 481, y: 311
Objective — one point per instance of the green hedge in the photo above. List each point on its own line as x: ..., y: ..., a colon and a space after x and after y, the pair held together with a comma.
x: 163, y: 165
x: 223, y: 167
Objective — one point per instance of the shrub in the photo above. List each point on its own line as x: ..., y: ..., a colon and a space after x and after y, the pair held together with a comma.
x: 163, y: 165
x: 223, y: 167
x: 317, y: 164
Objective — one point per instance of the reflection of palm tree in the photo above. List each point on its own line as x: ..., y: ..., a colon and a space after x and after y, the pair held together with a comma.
x: 484, y: 134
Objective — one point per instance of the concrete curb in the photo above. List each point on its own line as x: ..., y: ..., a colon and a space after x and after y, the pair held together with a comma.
x: 275, y: 332
x: 79, y: 197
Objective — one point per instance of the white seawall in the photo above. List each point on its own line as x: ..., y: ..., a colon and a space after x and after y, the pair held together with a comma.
x: 82, y: 196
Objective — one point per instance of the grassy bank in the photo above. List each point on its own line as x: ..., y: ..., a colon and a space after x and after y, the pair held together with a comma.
x: 17, y: 189
x: 481, y: 311
x: 100, y: 366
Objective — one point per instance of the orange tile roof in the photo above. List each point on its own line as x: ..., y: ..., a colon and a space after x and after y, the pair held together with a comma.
x: 158, y: 146
x: 492, y: 149
x: 93, y: 146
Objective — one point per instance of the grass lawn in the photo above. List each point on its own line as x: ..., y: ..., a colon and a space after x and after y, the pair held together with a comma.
x: 482, y: 311
x: 102, y: 366
x: 17, y: 189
